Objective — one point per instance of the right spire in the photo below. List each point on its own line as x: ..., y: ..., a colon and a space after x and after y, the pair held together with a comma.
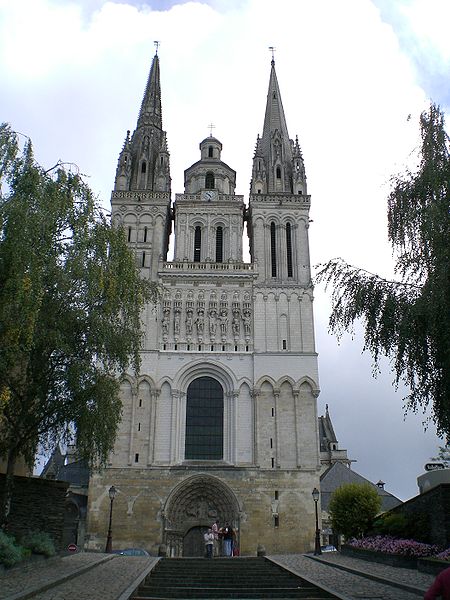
x: 278, y: 164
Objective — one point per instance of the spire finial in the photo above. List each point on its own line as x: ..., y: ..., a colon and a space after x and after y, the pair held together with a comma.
x: 211, y: 126
x: 156, y: 46
x: 272, y: 49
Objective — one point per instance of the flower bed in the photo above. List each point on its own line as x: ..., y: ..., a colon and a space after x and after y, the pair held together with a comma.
x: 389, y: 550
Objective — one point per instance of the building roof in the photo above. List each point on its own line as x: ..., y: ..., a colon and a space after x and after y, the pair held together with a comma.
x: 338, y: 474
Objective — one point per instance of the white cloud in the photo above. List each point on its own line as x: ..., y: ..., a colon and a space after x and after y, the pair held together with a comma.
x: 73, y: 75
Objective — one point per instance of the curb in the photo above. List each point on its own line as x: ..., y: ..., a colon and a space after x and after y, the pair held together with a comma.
x: 377, y: 578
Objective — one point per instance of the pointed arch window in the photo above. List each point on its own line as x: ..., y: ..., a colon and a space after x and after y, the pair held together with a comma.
x: 273, y: 249
x: 197, y: 243
x: 278, y: 172
x: 219, y: 244
x: 209, y: 181
x: 289, y: 249
x: 204, y: 420
x: 143, y: 167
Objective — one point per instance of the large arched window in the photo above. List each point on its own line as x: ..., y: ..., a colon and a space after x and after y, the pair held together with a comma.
x: 209, y: 181
x: 273, y: 249
x: 289, y: 249
x: 204, y: 420
x: 197, y: 243
x: 219, y: 244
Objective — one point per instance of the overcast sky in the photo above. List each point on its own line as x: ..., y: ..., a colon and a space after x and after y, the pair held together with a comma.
x: 354, y: 76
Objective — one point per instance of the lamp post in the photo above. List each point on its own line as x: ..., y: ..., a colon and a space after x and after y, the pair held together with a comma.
x: 317, y: 548
x: 112, y: 495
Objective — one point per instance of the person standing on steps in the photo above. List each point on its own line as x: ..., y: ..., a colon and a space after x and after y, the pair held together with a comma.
x: 228, y: 540
x: 209, y: 542
x: 215, y: 530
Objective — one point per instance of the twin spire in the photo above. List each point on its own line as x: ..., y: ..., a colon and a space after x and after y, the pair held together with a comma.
x: 151, y: 113
x: 277, y: 164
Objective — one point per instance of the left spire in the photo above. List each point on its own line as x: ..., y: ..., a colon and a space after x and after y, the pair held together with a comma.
x: 144, y: 161
x: 150, y: 113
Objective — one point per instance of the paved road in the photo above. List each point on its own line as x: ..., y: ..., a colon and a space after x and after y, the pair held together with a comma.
x: 92, y: 576
x: 410, y: 583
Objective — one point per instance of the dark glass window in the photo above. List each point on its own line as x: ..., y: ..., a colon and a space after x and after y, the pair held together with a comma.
x: 278, y: 173
x: 197, y: 243
x: 219, y: 245
x: 143, y: 167
x: 273, y: 249
x: 210, y: 152
x: 209, y: 181
x: 204, y: 420
x: 289, y: 249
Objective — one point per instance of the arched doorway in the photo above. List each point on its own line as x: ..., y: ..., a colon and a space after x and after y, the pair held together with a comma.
x: 191, y: 508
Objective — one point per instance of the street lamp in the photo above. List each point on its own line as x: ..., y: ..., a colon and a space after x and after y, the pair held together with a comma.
x: 112, y: 495
x: 317, y: 548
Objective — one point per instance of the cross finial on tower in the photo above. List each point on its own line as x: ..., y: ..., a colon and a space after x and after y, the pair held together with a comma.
x: 272, y: 49
x: 156, y: 46
x: 211, y: 127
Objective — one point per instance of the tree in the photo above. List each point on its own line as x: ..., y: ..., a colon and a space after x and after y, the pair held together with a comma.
x: 443, y: 455
x: 408, y: 320
x: 70, y: 312
x: 353, y: 507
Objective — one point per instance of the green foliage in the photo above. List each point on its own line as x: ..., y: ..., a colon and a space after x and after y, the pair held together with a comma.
x: 10, y: 552
x: 414, y: 526
x: 392, y: 524
x: 71, y: 300
x: 39, y: 542
x: 353, y: 507
x: 407, y: 320
x: 443, y: 455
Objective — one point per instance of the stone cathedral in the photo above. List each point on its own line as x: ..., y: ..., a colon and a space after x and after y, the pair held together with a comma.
x: 222, y: 421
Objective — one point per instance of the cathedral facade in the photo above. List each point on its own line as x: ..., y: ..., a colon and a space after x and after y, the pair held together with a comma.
x: 221, y: 422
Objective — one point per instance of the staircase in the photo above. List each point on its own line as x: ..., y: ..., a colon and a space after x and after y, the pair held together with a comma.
x: 242, y: 578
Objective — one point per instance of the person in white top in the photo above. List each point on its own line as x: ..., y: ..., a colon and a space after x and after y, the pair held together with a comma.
x: 209, y: 542
x: 215, y: 530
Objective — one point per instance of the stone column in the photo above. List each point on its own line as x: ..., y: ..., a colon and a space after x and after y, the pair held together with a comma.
x: 255, y: 394
x: 276, y: 395
x: 134, y: 395
x: 154, y: 396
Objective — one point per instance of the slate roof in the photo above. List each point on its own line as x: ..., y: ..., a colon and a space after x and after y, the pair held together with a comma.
x: 338, y: 474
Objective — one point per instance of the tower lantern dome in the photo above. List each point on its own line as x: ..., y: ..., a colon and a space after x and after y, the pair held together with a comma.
x: 210, y: 148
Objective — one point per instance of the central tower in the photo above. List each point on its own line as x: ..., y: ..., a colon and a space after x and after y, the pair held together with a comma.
x: 222, y: 421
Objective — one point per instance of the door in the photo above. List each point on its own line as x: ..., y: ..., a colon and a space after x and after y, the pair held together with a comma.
x: 193, y: 542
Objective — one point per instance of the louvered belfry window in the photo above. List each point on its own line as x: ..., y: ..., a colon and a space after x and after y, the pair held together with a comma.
x: 273, y: 249
x: 219, y: 244
x: 197, y: 243
x: 289, y: 249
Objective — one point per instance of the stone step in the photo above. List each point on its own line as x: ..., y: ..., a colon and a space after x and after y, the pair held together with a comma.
x: 240, y: 578
x: 214, y: 593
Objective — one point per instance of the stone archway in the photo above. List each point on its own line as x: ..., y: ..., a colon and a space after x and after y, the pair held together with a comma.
x: 192, y: 507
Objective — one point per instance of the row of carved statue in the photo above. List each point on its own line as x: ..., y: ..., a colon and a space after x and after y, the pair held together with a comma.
x: 213, y: 321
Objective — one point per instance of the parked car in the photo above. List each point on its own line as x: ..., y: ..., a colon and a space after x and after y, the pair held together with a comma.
x: 131, y: 552
x: 328, y: 548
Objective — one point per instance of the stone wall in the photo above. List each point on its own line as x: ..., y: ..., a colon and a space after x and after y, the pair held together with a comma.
x: 152, y: 504
x: 433, y: 509
x: 37, y: 505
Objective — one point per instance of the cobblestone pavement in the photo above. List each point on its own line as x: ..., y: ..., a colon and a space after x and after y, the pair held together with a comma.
x: 112, y: 575
x: 354, y: 586
x: 115, y: 575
